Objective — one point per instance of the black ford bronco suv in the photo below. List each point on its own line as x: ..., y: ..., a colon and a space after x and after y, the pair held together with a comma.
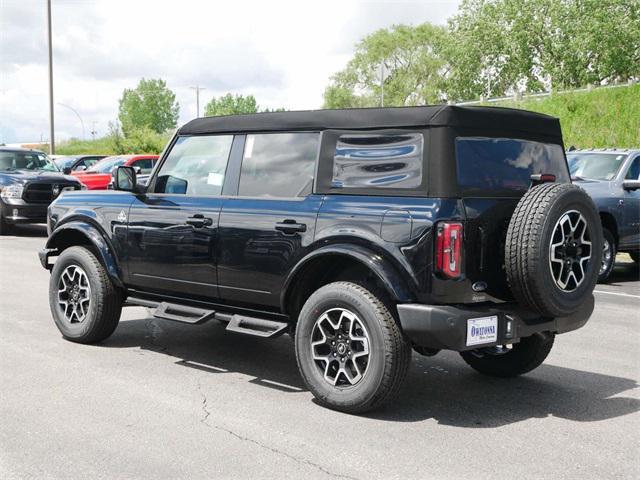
x: 363, y: 233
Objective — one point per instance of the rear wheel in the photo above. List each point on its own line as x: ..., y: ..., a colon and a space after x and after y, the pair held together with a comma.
x: 349, y: 347
x: 511, y: 360
x: 608, y: 255
x: 85, y: 304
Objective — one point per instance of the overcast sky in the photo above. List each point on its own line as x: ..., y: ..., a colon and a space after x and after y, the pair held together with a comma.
x: 281, y: 52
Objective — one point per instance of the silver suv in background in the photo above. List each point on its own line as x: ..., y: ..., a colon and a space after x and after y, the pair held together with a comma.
x: 612, y: 178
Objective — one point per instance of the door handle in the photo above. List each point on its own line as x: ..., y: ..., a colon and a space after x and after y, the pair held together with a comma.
x: 198, y: 220
x: 291, y: 226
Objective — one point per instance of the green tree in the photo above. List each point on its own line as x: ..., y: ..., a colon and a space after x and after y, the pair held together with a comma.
x: 412, y: 70
x: 151, y: 104
x: 231, y: 105
x: 498, y: 47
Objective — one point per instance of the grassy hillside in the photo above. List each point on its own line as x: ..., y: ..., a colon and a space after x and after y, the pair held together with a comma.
x: 608, y: 117
x: 99, y: 146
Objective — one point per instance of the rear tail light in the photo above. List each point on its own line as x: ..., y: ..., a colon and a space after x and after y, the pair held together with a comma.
x: 449, y: 249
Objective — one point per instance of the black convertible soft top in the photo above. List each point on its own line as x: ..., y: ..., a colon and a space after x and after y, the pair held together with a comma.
x: 495, y: 118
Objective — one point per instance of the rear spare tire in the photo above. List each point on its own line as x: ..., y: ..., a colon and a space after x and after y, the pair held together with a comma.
x: 553, y: 249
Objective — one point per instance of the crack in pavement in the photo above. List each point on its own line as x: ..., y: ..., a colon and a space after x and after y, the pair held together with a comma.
x: 206, y: 413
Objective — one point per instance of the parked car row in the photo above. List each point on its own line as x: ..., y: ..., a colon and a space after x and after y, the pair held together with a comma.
x: 30, y: 180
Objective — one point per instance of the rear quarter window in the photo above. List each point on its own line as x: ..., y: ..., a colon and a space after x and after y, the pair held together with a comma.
x: 378, y: 161
x: 506, y: 164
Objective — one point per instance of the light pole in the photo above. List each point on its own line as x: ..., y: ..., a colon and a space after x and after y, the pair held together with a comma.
x: 382, y: 84
x: 52, y: 141
x: 77, y: 115
x: 197, y: 88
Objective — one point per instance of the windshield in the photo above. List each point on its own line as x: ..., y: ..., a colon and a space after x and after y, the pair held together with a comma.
x: 107, y: 165
x: 26, y: 161
x: 595, y: 166
x: 64, y: 162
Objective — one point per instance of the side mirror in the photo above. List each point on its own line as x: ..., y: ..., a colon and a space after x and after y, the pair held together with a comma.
x: 124, y: 178
x: 66, y: 170
x: 631, y: 184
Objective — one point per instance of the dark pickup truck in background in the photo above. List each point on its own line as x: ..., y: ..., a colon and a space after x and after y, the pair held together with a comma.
x: 612, y: 178
x: 363, y: 233
x: 29, y: 182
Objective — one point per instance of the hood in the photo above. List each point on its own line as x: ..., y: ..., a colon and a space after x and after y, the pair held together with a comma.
x: 594, y: 187
x: 31, y: 176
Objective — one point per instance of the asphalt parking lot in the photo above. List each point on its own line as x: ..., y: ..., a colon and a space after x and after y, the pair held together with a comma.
x: 160, y: 399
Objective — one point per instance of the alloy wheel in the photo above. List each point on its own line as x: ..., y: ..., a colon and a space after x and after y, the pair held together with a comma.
x: 340, y: 347
x: 570, y: 251
x: 74, y: 294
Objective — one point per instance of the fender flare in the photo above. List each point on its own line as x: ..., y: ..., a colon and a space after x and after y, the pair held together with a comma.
x: 96, y: 238
x: 393, y: 282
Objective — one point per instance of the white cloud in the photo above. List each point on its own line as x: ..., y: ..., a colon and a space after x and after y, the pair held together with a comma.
x: 283, y: 52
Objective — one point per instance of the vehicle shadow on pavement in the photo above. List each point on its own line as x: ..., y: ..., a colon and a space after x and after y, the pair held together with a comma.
x: 34, y: 230
x: 443, y: 387
x: 623, y: 272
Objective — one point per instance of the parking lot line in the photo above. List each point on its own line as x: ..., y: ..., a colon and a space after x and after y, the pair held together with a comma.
x: 617, y: 293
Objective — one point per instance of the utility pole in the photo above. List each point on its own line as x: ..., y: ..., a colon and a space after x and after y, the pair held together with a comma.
x: 197, y: 88
x: 52, y: 141
x: 382, y: 84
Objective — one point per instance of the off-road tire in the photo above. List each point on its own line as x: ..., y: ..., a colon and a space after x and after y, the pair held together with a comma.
x: 390, y: 351
x: 105, y: 299
x: 528, y: 241
x: 525, y: 356
x: 608, y: 237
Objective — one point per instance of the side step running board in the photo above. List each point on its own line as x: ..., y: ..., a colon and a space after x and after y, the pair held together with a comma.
x: 259, y: 327
x: 182, y: 313
x: 256, y: 326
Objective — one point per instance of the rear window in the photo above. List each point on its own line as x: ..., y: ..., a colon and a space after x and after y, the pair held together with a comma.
x: 505, y: 163
x: 378, y: 161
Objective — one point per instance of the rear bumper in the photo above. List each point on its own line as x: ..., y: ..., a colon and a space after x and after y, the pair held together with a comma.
x: 443, y: 327
x: 18, y: 211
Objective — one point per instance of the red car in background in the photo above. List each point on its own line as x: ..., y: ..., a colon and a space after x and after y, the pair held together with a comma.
x: 98, y: 177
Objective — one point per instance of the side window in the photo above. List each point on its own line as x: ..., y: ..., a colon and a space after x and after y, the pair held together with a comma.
x: 145, y: 165
x: 634, y: 170
x: 366, y: 160
x: 90, y: 162
x: 278, y: 164
x: 196, y: 165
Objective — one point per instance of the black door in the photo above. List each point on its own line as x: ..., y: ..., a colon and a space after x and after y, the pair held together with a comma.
x: 173, y: 229
x: 269, y: 226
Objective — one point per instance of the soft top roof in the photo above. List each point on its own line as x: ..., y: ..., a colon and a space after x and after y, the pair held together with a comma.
x: 494, y: 118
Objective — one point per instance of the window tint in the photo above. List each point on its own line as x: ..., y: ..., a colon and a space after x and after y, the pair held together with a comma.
x: 634, y: 170
x: 506, y: 163
x: 278, y: 164
x: 195, y: 165
x: 378, y: 160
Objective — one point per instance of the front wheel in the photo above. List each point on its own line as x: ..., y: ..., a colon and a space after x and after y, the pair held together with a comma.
x: 511, y: 360
x: 350, y: 350
x: 608, y: 255
x: 85, y: 304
